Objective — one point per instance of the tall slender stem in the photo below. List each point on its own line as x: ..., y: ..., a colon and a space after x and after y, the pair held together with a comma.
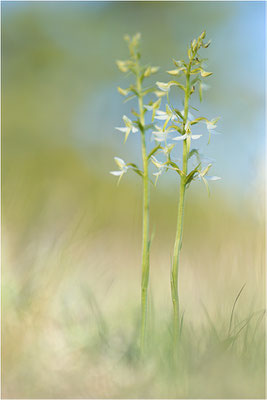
x: 145, y: 239
x: 180, y: 223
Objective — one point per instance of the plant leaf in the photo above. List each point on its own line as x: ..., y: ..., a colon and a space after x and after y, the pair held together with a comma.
x: 129, y: 98
x: 200, y: 92
x: 194, y: 152
x: 191, y: 175
x: 153, y: 151
x: 135, y: 169
x: 204, y: 74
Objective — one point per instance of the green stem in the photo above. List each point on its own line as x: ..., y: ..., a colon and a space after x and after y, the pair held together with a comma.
x: 179, y: 229
x: 145, y: 239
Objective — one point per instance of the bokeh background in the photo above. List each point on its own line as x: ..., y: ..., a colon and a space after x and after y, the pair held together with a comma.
x: 71, y: 245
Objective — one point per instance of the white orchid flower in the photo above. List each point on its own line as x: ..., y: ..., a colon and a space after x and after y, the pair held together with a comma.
x: 202, y: 175
x: 166, y: 115
x: 181, y: 137
x: 161, y: 167
x: 154, y: 107
x: 157, y: 175
x: 122, y: 166
x: 211, y: 126
x: 160, y: 135
x: 165, y: 87
x: 167, y: 149
x: 187, y: 136
x: 129, y: 127
x: 163, y: 115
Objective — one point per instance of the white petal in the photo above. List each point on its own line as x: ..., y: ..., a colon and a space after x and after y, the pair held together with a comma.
x: 149, y: 108
x: 119, y: 161
x: 182, y: 137
x: 116, y: 173
x: 216, y: 133
x: 165, y: 87
x: 160, y: 112
x: 158, y: 173
x: 134, y: 129
x: 159, y: 139
x: 122, y: 129
x: 160, y: 133
x: 126, y: 119
x: 160, y: 136
x: 210, y: 126
x: 195, y: 136
x: 161, y: 117
x: 213, y: 178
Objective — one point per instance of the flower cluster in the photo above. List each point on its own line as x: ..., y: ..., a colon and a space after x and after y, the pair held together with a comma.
x: 169, y: 126
x: 178, y: 125
x: 136, y: 90
x: 176, y: 131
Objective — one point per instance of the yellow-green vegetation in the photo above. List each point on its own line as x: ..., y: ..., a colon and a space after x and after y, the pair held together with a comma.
x: 70, y: 292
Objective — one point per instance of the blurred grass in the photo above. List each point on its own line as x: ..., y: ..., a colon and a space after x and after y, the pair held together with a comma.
x: 71, y: 294
x: 71, y: 238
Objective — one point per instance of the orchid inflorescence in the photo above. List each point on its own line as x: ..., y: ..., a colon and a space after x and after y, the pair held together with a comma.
x: 168, y: 129
x: 173, y: 120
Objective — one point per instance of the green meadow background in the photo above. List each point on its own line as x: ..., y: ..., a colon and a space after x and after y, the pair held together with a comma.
x: 71, y: 238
